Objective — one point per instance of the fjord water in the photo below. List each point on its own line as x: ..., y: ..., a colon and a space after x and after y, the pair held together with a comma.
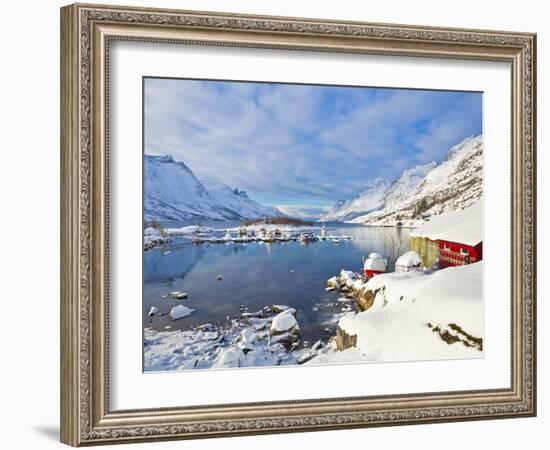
x: 255, y: 275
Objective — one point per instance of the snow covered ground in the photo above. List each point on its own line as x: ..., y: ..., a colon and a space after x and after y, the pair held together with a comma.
x: 152, y: 238
x: 415, y: 316
x: 418, y: 316
x: 269, y: 337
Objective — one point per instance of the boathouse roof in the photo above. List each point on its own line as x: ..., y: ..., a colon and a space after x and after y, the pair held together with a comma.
x: 462, y: 226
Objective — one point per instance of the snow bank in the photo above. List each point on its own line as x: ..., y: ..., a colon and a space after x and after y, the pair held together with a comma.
x: 396, y: 327
x: 331, y: 355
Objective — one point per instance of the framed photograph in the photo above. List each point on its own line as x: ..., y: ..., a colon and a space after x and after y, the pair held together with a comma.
x: 276, y: 224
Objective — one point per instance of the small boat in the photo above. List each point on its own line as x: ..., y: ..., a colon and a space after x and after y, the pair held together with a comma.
x: 307, y: 237
x: 199, y: 238
x: 335, y: 240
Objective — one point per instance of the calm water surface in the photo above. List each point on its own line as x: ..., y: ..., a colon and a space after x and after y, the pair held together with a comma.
x: 255, y: 275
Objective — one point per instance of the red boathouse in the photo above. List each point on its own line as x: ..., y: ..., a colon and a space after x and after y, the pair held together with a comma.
x: 457, y: 235
x: 458, y: 254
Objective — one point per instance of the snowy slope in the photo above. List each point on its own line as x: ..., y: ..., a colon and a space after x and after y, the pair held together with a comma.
x: 409, y: 180
x: 421, y: 191
x: 173, y: 192
x: 371, y: 199
x: 419, y: 316
x: 238, y: 200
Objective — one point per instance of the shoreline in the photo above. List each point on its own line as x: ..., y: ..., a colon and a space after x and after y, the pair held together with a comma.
x: 444, y: 329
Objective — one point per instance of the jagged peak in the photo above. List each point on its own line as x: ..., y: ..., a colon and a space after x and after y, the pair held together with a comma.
x: 469, y: 142
x: 167, y: 159
x: 377, y: 182
x: 418, y: 170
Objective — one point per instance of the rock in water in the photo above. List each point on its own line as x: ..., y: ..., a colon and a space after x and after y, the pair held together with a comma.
x: 284, y: 327
x: 332, y: 283
x: 179, y: 311
x: 279, y: 308
x: 219, y: 278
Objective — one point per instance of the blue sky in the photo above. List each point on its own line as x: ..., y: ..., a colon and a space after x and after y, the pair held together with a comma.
x: 302, y: 147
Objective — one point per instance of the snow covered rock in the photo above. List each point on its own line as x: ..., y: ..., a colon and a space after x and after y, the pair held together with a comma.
x: 408, y: 261
x: 333, y: 283
x: 284, y: 328
x: 229, y: 357
x: 284, y: 322
x: 153, y: 311
x: 179, y: 311
x: 347, y: 278
x: 247, y: 339
x: 178, y: 294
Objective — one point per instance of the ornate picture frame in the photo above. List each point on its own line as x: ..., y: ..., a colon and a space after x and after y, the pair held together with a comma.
x: 87, y: 31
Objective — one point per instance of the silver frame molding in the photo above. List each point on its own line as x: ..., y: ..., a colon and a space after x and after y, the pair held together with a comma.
x: 86, y: 33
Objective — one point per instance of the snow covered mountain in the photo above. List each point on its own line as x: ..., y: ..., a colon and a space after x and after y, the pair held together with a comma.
x: 173, y: 192
x: 371, y: 199
x: 455, y: 183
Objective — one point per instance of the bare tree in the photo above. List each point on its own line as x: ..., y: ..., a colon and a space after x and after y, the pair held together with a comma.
x: 395, y: 243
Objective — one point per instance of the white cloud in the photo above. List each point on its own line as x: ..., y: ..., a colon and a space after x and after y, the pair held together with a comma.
x: 287, y: 141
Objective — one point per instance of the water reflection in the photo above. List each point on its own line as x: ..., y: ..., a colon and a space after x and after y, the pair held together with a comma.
x: 255, y: 275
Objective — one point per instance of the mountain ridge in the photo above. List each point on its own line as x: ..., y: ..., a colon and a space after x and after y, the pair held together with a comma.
x: 420, y: 191
x: 173, y: 192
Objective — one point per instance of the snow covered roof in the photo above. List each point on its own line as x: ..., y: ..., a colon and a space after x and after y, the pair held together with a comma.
x: 375, y: 264
x: 409, y: 259
x: 462, y: 226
